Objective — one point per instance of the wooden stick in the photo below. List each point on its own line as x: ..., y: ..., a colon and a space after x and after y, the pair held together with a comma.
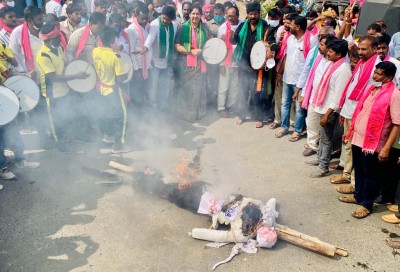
x: 121, y: 167
x: 309, y: 242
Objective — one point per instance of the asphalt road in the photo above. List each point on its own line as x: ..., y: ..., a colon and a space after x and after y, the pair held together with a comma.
x: 60, y: 218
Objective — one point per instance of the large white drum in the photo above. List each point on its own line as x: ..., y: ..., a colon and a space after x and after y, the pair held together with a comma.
x: 214, y: 51
x: 26, y: 90
x: 81, y: 85
x: 258, y: 55
x: 9, y: 105
x: 127, y: 65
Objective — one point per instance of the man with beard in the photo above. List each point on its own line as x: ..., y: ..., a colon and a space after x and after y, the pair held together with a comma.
x: 158, y: 6
x: 73, y: 22
x: 185, y: 12
x: 228, y: 87
x: 245, y: 36
x: 8, y: 21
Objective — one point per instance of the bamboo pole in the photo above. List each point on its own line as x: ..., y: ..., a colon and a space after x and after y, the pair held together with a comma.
x: 121, y: 167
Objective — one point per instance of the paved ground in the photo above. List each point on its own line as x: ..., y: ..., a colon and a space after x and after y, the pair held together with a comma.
x: 59, y: 218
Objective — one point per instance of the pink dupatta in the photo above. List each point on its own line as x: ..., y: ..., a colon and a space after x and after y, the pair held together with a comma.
x: 309, y: 84
x: 228, y: 60
x: 142, y: 40
x: 191, y: 60
x: 82, y: 42
x: 26, y: 47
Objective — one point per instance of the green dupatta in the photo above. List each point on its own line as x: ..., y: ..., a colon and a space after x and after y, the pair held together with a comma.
x: 163, y: 42
x: 187, y: 36
x: 237, y: 54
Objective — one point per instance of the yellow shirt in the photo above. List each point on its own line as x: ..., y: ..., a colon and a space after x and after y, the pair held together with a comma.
x: 4, y: 50
x: 49, y: 62
x: 108, y: 66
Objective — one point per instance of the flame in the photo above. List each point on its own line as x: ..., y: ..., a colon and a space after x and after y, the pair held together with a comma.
x: 186, y: 173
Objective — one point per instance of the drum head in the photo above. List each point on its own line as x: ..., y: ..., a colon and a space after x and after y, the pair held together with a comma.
x: 214, y: 51
x: 81, y: 85
x: 127, y: 65
x: 26, y: 90
x: 258, y: 55
x: 9, y: 105
x: 270, y: 63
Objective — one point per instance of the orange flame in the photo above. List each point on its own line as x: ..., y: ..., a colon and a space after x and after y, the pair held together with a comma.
x: 186, y: 173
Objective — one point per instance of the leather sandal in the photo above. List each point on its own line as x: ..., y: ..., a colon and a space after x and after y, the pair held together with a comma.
x: 391, y: 218
x: 339, y: 179
x: 346, y: 189
x: 393, y: 208
x: 361, y: 212
x: 348, y: 199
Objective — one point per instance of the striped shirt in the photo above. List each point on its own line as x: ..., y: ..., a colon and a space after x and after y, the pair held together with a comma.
x: 4, y: 37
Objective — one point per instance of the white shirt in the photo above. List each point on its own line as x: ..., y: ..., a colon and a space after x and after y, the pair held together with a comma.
x: 222, y: 32
x: 336, y: 87
x: 295, y: 59
x: 16, y: 49
x: 153, y: 40
x: 397, y: 75
x: 350, y: 105
x: 301, y: 82
x: 138, y: 46
x: 54, y: 7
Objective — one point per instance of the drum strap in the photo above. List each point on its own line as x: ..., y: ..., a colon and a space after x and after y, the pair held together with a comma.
x: 260, y: 71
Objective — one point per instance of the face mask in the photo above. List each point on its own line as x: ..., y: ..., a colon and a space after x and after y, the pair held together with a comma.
x: 273, y: 23
x: 218, y: 18
x: 117, y: 30
x: 11, y: 4
x: 159, y: 9
x: 377, y: 84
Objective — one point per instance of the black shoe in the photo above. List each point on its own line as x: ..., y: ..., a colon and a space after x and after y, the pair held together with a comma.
x: 223, y: 113
x: 309, y: 152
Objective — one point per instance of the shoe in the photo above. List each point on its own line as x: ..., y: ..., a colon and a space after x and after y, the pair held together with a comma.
x: 223, y: 113
x: 27, y: 164
x: 335, y: 166
x: 339, y: 179
x: 63, y: 148
x: 319, y: 173
x: 117, y: 149
x: 393, y: 242
x: 393, y: 208
x: 391, y: 218
x: 346, y: 189
x: 108, y: 139
x: 309, y: 152
x: 313, y: 162
x: 6, y: 174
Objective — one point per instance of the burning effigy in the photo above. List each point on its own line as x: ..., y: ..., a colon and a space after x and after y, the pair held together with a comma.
x: 247, y: 222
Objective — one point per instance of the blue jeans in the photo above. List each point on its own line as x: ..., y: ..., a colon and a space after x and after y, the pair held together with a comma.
x: 31, y: 3
x: 159, y: 87
x: 287, y: 93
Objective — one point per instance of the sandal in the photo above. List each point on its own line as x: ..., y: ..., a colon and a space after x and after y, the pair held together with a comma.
x: 294, y: 137
x: 346, y: 189
x: 274, y: 125
x: 391, y: 218
x: 393, y: 208
x: 339, y: 179
x: 361, y: 212
x: 393, y: 242
x: 348, y: 199
x: 239, y: 121
x: 259, y: 124
x: 281, y: 133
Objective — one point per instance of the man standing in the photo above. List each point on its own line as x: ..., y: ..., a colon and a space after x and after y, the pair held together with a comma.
x: 217, y: 21
x: 298, y: 45
x: 361, y: 77
x: 245, y: 36
x: 161, y: 41
x: 54, y: 6
x: 8, y: 21
x: 326, y: 101
x: 382, y: 50
x: 73, y: 22
x: 228, y: 87
x: 185, y: 12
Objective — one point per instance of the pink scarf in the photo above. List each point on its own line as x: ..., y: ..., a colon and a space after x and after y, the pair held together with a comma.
x: 306, y: 43
x: 314, y: 30
x: 142, y: 40
x: 82, y: 42
x: 191, y: 61
x: 205, y: 8
x: 282, y: 50
x: 376, y: 117
x: 228, y: 60
x: 6, y: 28
x: 323, y: 85
x: 366, y: 69
x: 309, y: 84
x: 26, y: 47
x: 387, y: 58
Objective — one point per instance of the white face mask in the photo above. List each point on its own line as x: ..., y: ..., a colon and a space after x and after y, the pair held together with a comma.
x: 11, y: 4
x: 273, y: 23
x: 159, y: 9
x: 377, y: 84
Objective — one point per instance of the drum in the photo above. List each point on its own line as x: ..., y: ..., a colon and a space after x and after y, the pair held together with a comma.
x: 258, y: 55
x: 214, y: 51
x: 26, y: 90
x: 9, y: 105
x: 127, y: 65
x: 81, y: 85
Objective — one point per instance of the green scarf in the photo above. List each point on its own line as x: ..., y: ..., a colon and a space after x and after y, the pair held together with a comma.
x: 237, y: 54
x: 187, y: 36
x: 163, y: 42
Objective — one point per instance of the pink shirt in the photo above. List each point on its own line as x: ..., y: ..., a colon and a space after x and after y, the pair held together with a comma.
x: 392, y: 117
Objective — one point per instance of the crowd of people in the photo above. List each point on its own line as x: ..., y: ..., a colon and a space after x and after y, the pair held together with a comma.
x: 338, y: 91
